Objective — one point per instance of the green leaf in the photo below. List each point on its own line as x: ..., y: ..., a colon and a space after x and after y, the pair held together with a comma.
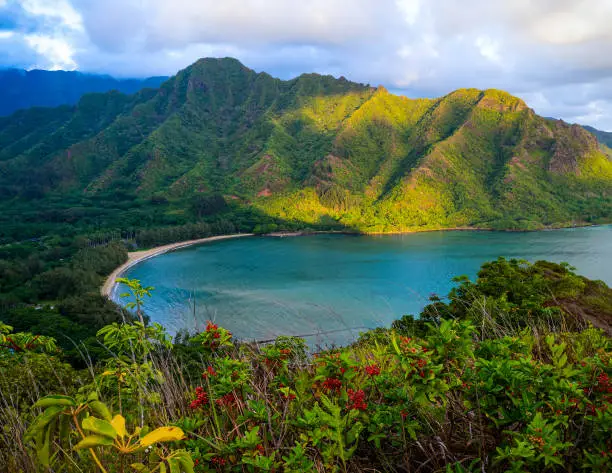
x: 184, y: 458
x: 55, y: 400
x: 175, y: 466
x: 43, y: 446
x: 139, y: 467
x: 99, y: 427
x: 101, y: 410
x: 93, y: 441
x: 64, y: 428
x: 43, y: 420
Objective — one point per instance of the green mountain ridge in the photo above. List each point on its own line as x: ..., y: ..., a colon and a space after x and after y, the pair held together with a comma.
x: 315, y: 149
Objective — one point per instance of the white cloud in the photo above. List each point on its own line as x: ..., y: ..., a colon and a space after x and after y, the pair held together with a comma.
x: 558, y: 49
x: 6, y: 34
x: 58, y: 53
x: 61, y: 10
x: 489, y: 49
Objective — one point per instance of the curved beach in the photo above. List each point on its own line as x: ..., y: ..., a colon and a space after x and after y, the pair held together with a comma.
x: 136, y: 257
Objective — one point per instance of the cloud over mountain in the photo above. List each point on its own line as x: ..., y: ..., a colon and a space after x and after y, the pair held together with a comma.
x: 552, y: 53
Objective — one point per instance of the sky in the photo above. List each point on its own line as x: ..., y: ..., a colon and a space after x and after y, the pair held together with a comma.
x: 555, y: 54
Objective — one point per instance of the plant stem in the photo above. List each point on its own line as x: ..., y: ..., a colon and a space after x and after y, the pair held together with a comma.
x: 91, y: 450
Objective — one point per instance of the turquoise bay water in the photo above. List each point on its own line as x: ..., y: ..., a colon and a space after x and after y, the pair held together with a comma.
x: 261, y: 287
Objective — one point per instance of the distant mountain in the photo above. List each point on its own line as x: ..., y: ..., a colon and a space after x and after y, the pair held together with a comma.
x: 604, y: 137
x: 23, y: 89
x: 314, y: 149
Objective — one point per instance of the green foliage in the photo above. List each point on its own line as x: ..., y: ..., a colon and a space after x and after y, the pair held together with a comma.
x: 219, y: 135
x: 441, y: 393
x: 77, y: 418
x: 510, y: 295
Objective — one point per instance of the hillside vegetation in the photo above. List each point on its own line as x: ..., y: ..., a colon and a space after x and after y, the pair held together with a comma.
x: 314, y: 150
x: 503, y: 375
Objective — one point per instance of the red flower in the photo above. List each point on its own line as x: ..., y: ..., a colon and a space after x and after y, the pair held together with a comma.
x: 260, y: 449
x: 357, y: 400
x: 228, y: 400
x: 201, y: 398
x: 218, y: 461
x: 372, y: 370
x: 332, y: 384
x: 210, y: 371
x: 210, y: 327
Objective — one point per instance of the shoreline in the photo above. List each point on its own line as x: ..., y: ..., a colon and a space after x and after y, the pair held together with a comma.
x: 135, y: 257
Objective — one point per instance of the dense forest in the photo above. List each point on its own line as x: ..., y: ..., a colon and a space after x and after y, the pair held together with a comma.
x: 506, y: 373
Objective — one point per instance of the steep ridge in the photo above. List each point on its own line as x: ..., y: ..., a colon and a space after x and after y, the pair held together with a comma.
x: 316, y: 149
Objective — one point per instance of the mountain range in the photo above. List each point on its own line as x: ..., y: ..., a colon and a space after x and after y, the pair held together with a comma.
x: 315, y: 149
x: 37, y: 88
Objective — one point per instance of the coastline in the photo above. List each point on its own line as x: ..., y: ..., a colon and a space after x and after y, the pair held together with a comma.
x: 135, y: 257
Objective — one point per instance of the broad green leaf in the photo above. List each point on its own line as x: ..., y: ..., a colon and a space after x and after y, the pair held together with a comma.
x: 184, y: 460
x: 64, y: 428
x: 43, y: 446
x: 163, y: 434
x: 118, y: 424
x: 139, y: 467
x: 99, y: 426
x: 100, y: 409
x: 55, y: 400
x: 44, y: 419
x: 93, y: 441
x: 175, y: 466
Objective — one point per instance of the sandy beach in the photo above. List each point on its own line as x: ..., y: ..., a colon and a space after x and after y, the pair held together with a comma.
x: 135, y: 257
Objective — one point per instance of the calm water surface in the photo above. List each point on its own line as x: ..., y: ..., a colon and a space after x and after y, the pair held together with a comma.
x: 262, y: 287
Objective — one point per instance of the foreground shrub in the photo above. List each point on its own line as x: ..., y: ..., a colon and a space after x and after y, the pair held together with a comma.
x: 439, y: 393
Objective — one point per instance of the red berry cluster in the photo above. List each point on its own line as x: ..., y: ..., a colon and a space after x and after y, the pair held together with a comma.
x: 213, y: 329
x: 357, y: 400
x: 210, y: 371
x: 228, y: 400
x: 218, y: 461
x: 603, y: 384
x: 201, y: 398
x: 372, y: 370
x: 332, y: 385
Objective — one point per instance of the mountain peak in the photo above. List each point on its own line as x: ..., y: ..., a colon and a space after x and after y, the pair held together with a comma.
x: 501, y: 101
x: 362, y: 156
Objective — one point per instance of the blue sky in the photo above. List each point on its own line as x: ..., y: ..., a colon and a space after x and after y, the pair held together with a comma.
x: 555, y: 54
